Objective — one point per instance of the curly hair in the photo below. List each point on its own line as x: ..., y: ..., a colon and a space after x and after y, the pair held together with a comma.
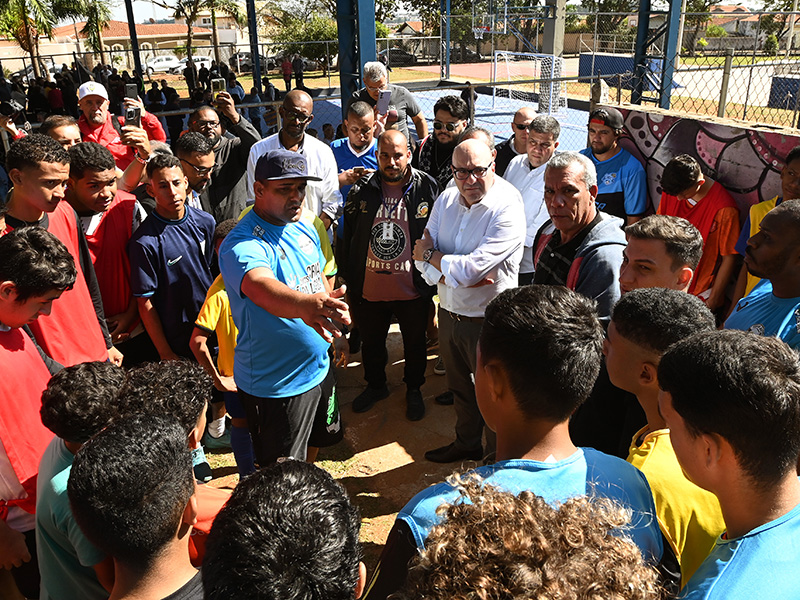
x: 494, y: 545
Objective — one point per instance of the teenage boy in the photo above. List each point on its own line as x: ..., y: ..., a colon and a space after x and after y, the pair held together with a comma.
x: 108, y: 218
x: 78, y: 402
x: 551, y: 336
x: 181, y: 390
x: 731, y: 401
x: 644, y: 324
x: 267, y: 542
x: 138, y: 507
x: 662, y: 251
x: 75, y: 331
x: 709, y: 207
x: 35, y: 270
x: 215, y: 317
x: 171, y: 255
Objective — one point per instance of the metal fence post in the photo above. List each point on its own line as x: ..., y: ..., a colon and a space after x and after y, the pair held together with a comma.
x: 726, y: 76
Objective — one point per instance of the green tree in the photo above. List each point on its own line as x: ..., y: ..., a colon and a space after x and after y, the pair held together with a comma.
x: 98, y: 15
x: 25, y: 21
x: 296, y: 35
x: 716, y: 31
x: 188, y: 10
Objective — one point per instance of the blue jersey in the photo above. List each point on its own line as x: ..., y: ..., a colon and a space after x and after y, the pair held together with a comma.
x: 275, y: 357
x: 764, y: 313
x: 346, y: 159
x: 760, y: 564
x: 621, y: 184
x: 586, y: 472
x: 171, y: 265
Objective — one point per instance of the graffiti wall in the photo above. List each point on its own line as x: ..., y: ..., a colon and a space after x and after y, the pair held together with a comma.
x: 746, y: 161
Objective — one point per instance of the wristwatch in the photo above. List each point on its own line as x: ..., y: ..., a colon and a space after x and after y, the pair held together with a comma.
x: 427, y: 255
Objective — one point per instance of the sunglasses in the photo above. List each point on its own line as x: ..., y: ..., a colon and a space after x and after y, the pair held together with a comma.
x: 520, y: 127
x: 437, y: 125
x: 298, y: 117
x: 477, y: 172
x: 199, y: 170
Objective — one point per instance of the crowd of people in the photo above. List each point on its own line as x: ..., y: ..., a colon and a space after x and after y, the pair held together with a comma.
x: 628, y: 386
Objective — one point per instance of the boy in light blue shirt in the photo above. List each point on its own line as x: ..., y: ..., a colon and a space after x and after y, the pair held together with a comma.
x: 732, y: 403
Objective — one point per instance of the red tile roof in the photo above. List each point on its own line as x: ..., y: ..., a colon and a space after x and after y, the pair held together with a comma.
x: 119, y: 30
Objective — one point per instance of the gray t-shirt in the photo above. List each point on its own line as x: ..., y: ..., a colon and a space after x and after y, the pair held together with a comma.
x: 402, y: 101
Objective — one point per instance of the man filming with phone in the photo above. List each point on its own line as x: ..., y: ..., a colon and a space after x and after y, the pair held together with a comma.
x: 401, y: 104
x: 98, y: 125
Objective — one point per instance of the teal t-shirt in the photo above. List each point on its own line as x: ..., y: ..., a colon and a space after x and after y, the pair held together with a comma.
x: 760, y: 564
x: 275, y: 357
x: 764, y: 313
x: 66, y: 557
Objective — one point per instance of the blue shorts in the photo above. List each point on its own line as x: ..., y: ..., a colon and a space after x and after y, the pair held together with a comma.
x: 233, y: 405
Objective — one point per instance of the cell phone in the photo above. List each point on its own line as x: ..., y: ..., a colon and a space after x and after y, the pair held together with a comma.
x: 133, y: 116
x: 218, y: 85
x: 131, y: 90
x: 384, y: 98
x: 359, y: 170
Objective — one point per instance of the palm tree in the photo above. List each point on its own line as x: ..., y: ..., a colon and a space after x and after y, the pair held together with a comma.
x: 98, y: 15
x: 25, y: 21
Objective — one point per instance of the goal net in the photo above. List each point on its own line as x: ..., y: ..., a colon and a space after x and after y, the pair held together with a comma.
x: 527, y: 76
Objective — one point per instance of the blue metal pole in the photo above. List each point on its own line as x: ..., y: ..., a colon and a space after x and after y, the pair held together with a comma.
x: 640, y: 57
x: 670, y: 52
x: 444, y: 34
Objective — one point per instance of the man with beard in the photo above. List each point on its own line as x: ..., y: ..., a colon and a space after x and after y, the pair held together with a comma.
x: 99, y: 125
x: 226, y: 196
x: 322, y: 196
x: 773, y: 254
x: 385, y: 214
x: 196, y: 153
x: 621, y: 180
x: 434, y: 153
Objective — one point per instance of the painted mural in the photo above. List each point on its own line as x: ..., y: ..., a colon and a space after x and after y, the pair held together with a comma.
x: 746, y: 161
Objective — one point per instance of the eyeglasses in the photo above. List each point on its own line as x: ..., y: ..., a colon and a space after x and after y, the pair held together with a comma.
x: 299, y: 117
x: 376, y: 88
x: 477, y: 172
x: 205, y: 124
x: 521, y: 127
x: 199, y: 170
x: 437, y: 125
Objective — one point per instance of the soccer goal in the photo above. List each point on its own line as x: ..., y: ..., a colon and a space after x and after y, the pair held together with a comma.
x: 510, y: 69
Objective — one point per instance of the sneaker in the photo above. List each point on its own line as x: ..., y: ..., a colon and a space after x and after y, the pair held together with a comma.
x: 445, y: 399
x: 223, y: 442
x: 367, y: 399
x: 415, y: 405
x: 202, y: 470
x: 449, y: 454
x: 438, y: 368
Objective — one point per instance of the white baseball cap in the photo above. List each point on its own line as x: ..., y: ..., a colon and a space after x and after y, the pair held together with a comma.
x: 92, y: 88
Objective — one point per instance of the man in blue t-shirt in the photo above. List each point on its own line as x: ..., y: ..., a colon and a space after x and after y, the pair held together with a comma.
x: 773, y: 254
x: 731, y: 401
x: 358, y: 148
x: 524, y: 339
x: 283, y: 307
x: 171, y: 256
x: 621, y: 180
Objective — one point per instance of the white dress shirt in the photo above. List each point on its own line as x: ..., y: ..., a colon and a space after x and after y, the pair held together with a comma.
x: 530, y: 183
x: 478, y: 241
x: 321, y: 196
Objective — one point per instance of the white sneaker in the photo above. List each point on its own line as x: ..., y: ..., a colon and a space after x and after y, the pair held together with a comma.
x: 438, y: 368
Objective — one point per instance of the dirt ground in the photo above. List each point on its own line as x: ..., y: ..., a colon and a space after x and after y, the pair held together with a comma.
x: 381, y: 459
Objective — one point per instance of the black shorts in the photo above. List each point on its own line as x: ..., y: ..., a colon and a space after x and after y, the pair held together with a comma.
x: 327, y: 429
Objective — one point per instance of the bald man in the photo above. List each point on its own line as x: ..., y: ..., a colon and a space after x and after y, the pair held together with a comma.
x: 385, y: 214
x: 516, y: 144
x: 471, y: 250
x: 297, y: 112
